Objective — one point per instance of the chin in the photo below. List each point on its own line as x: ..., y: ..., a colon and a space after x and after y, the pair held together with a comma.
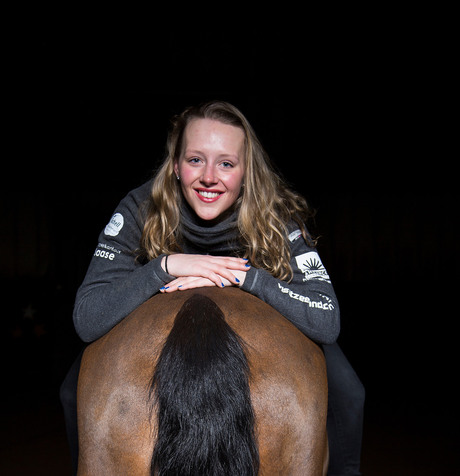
x: 207, y: 215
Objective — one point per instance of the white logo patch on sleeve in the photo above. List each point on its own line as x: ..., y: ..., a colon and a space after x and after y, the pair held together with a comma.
x: 311, y: 266
x: 294, y: 235
x: 115, y: 225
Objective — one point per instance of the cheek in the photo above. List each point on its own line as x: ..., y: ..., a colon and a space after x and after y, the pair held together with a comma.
x: 187, y: 175
x: 234, y: 183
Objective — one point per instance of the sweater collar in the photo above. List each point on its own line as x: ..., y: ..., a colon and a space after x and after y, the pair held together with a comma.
x: 210, y: 237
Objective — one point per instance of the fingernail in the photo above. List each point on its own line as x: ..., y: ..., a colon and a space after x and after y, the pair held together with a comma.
x: 180, y: 285
x: 247, y: 265
x: 237, y: 280
x: 222, y: 284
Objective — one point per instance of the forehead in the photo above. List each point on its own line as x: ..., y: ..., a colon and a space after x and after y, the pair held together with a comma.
x: 215, y: 134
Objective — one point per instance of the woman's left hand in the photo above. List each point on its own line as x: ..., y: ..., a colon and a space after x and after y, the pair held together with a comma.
x: 190, y: 282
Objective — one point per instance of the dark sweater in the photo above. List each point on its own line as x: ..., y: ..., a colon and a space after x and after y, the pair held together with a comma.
x: 116, y: 283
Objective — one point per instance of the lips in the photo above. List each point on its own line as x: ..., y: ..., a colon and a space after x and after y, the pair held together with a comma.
x: 208, y: 196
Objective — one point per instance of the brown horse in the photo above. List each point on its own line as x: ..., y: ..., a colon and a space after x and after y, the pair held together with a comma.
x: 203, y: 382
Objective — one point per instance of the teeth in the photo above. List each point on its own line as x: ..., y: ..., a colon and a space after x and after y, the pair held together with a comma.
x: 208, y: 194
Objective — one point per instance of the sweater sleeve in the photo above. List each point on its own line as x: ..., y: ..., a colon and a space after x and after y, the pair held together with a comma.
x: 115, y: 283
x: 308, y: 300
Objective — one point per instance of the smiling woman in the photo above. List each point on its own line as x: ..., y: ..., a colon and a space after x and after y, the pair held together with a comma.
x: 211, y: 166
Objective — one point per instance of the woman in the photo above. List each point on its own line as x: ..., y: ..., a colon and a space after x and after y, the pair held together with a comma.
x: 216, y: 214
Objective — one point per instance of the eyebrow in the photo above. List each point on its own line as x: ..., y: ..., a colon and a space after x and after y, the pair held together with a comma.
x: 199, y: 152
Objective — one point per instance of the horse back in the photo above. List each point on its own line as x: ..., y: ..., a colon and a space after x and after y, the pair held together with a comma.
x: 287, y: 381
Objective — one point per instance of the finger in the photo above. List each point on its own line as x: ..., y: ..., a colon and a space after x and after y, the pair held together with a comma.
x: 192, y: 284
x: 215, y: 278
x: 224, y: 267
x: 172, y: 285
x: 233, y: 263
x: 229, y: 276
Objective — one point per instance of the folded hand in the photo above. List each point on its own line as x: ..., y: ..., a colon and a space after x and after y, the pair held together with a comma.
x: 193, y: 271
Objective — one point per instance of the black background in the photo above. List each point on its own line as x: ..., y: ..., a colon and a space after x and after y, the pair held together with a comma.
x: 357, y: 117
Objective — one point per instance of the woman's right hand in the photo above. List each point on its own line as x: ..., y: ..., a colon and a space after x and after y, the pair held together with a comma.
x: 213, y: 268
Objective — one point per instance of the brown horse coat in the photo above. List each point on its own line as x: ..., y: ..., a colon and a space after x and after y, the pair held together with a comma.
x: 287, y: 381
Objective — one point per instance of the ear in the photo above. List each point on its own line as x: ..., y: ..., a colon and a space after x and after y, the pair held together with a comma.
x: 176, y: 168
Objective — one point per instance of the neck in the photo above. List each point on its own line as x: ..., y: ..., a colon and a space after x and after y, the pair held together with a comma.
x: 224, y: 216
x: 220, y: 236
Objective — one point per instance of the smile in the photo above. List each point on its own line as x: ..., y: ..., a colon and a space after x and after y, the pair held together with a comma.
x: 207, y: 196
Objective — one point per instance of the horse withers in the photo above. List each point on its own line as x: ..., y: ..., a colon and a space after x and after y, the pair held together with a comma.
x: 203, y: 382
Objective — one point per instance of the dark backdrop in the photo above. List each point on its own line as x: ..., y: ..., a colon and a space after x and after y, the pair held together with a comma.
x: 356, y: 122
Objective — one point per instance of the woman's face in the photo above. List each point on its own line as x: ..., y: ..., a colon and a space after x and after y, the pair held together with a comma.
x: 211, y: 166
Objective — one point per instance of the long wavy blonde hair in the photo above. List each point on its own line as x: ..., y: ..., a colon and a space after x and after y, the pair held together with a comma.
x: 265, y: 206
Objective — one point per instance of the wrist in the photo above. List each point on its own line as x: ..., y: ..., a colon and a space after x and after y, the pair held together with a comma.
x: 164, y: 264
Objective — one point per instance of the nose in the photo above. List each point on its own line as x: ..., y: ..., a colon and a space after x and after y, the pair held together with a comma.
x: 209, y: 176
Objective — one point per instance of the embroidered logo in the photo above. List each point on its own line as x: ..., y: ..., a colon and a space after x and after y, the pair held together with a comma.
x: 115, y: 225
x: 294, y: 235
x: 311, y: 266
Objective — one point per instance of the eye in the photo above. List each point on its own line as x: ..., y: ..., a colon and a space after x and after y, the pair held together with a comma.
x: 227, y: 165
x: 194, y: 160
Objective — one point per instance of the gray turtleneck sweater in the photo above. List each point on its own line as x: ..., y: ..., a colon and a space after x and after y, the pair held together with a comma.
x: 116, y: 283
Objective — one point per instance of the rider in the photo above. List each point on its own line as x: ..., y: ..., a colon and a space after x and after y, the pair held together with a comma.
x: 216, y: 214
